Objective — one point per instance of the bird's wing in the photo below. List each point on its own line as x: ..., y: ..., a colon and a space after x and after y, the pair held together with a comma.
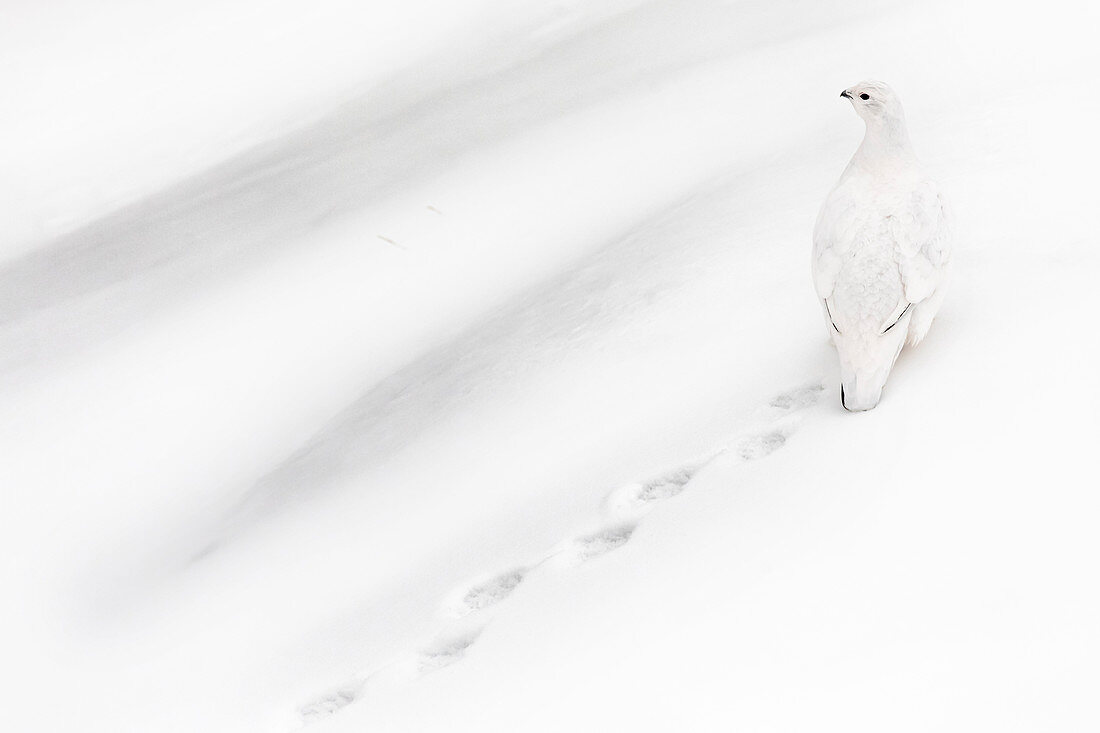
x: 922, y: 238
x: 832, y: 240
x: 920, y: 231
x: 829, y: 244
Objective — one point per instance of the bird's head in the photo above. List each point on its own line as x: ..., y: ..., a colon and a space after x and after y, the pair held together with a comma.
x: 875, y: 102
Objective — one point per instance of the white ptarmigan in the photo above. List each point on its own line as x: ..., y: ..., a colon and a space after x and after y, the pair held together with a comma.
x: 882, y: 249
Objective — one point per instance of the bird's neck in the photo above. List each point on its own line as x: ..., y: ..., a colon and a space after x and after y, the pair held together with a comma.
x: 885, y: 146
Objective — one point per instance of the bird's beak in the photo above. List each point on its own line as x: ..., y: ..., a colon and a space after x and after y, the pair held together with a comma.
x: 846, y: 94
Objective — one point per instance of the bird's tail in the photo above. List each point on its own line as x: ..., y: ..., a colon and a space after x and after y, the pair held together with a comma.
x: 864, y: 371
x: 861, y: 390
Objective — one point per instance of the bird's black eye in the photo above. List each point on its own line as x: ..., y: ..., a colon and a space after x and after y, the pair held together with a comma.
x: 864, y: 96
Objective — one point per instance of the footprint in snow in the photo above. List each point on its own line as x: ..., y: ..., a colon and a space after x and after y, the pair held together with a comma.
x: 638, y: 498
x: 758, y: 446
x: 329, y: 703
x: 488, y: 592
x: 445, y: 652
x: 665, y: 486
x: 800, y: 398
x: 589, y: 547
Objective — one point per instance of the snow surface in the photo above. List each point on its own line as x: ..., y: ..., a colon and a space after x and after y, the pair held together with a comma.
x: 456, y: 367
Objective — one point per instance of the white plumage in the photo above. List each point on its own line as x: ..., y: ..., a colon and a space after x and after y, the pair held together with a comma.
x: 882, y: 249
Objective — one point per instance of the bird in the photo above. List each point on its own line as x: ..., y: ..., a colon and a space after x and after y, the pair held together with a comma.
x: 881, y: 249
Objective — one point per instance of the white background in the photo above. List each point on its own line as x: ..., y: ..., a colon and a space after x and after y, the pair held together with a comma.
x: 336, y: 339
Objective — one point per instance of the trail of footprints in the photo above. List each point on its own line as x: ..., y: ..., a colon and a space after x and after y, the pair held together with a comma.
x: 625, y: 506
